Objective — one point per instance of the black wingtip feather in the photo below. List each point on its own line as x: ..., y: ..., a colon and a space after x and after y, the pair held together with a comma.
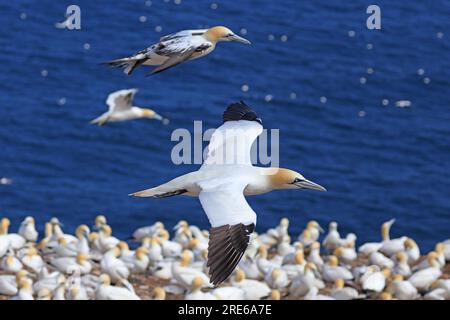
x: 226, y: 247
x: 240, y: 111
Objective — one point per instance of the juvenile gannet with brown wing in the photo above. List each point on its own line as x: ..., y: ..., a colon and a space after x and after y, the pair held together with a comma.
x: 222, y: 183
x: 176, y: 48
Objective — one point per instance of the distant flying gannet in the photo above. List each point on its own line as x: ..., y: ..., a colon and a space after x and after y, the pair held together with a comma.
x: 176, y: 48
x: 222, y: 187
x: 121, y: 109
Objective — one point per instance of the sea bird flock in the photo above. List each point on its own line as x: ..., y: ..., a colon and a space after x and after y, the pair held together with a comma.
x: 97, y: 265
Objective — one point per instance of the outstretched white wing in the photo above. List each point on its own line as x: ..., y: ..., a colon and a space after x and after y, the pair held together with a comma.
x: 224, y: 202
x: 231, y: 143
x: 121, y: 100
x: 232, y: 221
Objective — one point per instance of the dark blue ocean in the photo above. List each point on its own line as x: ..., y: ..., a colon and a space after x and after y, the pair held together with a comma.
x: 326, y: 76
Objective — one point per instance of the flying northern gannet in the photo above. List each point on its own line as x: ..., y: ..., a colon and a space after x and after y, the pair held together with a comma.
x: 121, y: 109
x: 222, y: 186
x: 178, y: 47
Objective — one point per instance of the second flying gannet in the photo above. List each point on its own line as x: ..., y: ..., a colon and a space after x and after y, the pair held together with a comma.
x: 222, y: 187
x: 176, y: 48
x: 120, y: 104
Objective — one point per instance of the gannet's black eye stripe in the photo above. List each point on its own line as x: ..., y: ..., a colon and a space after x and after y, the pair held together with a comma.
x: 296, y: 180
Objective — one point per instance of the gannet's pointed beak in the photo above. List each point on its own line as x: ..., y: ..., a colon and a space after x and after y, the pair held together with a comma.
x: 306, y: 184
x: 237, y: 38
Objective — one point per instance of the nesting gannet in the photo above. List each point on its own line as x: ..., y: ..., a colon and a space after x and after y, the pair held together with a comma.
x: 16, y: 241
x: 10, y: 263
x: 138, y: 261
x: 277, y: 278
x: 301, y: 284
x: 106, y: 291
x: 218, y: 181
x: 294, y: 269
x: 32, y: 260
x: 311, y: 233
x: 332, y: 271
x: 402, y: 267
x: 390, y: 246
x: 184, y: 274
x: 340, y: 292
x: 8, y: 285
x: 253, y: 289
x: 412, y: 250
x: 80, y: 262
x: 313, y: 294
x: 120, y: 104
x: 403, y: 290
x: 27, y: 230
x: 58, y: 232
x: 314, y: 255
x: 196, y: 293
x: 381, y: 260
x: 332, y: 239
x: 346, y: 255
x: 176, y: 48
x: 100, y: 221
x: 158, y: 294
x: 423, y: 279
x: 105, y: 239
x: 114, y: 267
x: 374, y: 279
x: 44, y: 294
x: 25, y: 290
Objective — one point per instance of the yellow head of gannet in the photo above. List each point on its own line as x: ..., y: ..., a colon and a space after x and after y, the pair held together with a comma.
x: 385, y: 228
x: 289, y: 179
x: 106, y: 229
x: 4, y: 225
x: 193, y: 243
x: 239, y: 276
x: 44, y: 294
x: 141, y: 252
x: 401, y: 257
x: 100, y: 220
x: 93, y: 236
x: 82, y: 231
x: 432, y: 258
x: 398, y: 277
x: 275, y: 295
x: 220, y: 33
x: 299, y: 257
x: 284, y: 222
x: 333, y: 261
x: 439, y: 248
x: 262, y: 251
x: 81, y: 258
x: 410, y: 243
x: 185, y: 258
x: 21, y: 274
x: 339, y: 283
x: 159, y: 294
x: 48, y: 230
x: 385, y: 296
x: 105, y: 279
x: 123, y: 246
x: 197, y: 283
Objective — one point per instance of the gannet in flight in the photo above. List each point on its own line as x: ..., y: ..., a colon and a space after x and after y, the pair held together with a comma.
x: 121, y: 109
x: 178, y: 47
x: 222, y: 186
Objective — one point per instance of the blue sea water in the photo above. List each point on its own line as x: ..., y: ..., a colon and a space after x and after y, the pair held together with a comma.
x: 377, y: 162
